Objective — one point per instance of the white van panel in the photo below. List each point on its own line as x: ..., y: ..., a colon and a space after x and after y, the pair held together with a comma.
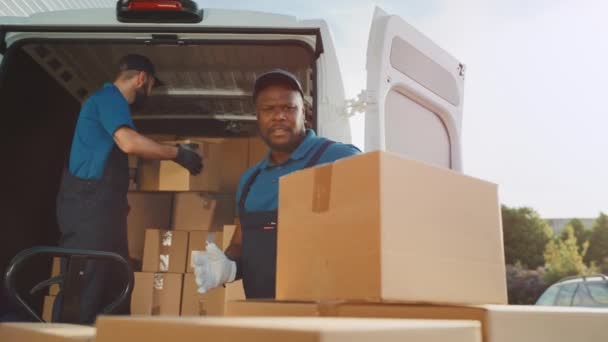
x: 415, y: 95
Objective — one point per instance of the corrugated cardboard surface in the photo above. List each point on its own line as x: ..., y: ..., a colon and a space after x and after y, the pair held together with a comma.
x: 258, y: 150
x: 211, y: 303
x: 233, y: 162
x: 545, y: 324
x: 197, y: 241
x: 166, y: 175
x: 224, y: 161
x: 273, y: 308
x: 47, y: 308
x: 193, y: 211
x: 236, y: 329
x: 165, y: 251
x: 401, y: 223
x: 148, y: 209
x: 156, y: 294
x: 500, y: 323
x: 45, y: 332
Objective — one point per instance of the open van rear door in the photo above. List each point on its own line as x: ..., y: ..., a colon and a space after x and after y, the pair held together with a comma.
x: 414, y: 95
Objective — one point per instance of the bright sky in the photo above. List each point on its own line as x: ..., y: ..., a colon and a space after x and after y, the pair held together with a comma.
x: 534, y: 120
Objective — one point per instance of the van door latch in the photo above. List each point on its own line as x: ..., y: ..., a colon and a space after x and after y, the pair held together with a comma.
x: 172, y: 39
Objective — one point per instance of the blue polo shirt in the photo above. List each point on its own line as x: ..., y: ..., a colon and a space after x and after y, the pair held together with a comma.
x: 101, y: 115
x: 264, y: 192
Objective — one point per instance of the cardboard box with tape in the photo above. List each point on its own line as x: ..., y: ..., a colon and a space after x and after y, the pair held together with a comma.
x: 212, y: 303
x: 197, y: 241
x: 258, y: 150
x: 224, y: 160
x: 500, y: 323
x: 203, y: 211
x: 249, y: 329
x: 148, y: 209
x: 379, y: 227
x: 165, y: 251
x: 156, y: 294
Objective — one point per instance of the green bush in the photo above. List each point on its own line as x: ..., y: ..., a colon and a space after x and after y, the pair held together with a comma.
x: 525, y: 237
x: 563, y: 258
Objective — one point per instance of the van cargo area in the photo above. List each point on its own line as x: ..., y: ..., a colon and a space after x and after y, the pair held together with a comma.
x: 206, y: 93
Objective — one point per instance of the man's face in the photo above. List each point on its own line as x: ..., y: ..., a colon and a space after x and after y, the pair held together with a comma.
x: 143, y: 89
x: 280, y: 114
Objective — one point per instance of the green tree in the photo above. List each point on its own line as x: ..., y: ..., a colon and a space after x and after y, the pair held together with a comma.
x: 525, y: 236
x: 563, y: 258
x: 581, y: 233
x: 598, y: 243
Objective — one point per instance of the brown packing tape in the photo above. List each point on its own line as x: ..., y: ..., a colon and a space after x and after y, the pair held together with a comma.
x: 207, y: 201
x: 322, y: 188
x: 157, y: 288
x: 165, y: 243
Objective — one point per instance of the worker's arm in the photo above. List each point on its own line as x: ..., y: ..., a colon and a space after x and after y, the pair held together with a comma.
x: 131, y: 142
x: 234, y: 249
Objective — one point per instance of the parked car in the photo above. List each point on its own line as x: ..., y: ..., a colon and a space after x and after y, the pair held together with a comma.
x: 587, y: 291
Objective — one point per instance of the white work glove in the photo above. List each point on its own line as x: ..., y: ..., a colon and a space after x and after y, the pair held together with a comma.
x: 212, y: 268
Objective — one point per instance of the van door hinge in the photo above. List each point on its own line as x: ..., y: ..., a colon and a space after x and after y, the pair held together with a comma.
x: 462, y: 69
x: 358, y: 104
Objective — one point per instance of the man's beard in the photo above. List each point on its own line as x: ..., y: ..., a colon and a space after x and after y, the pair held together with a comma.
x: 288, y: 147
x: 140, y: 100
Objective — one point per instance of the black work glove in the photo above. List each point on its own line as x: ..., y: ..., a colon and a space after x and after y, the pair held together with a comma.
x: 189, y: 158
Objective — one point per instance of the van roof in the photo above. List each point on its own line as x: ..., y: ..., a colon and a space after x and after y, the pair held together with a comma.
x: 69, y: 15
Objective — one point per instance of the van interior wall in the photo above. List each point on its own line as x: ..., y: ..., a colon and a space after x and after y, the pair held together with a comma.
x: 39, y: 118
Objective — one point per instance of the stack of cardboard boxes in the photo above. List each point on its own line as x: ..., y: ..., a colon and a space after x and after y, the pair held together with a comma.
x: 376, y: 236
x: 198, y: 209
x: 172, y: 213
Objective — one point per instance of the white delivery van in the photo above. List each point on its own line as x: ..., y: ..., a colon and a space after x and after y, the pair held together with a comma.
x: 207, y: 58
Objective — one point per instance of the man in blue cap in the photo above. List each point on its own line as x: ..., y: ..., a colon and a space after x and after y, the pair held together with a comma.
x: 279, y: 103
x: 92, y: 201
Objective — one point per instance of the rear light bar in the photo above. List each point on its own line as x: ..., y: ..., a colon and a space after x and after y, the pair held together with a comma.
x: 158, y: 11
x: 156, y: 5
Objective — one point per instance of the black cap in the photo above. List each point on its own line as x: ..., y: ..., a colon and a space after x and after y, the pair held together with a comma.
x: 275, y: 77
x: 139, y: 63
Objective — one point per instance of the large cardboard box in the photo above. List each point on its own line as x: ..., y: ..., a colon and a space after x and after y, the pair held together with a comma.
x: 258, y: 150
x: 165, y: 251
x: 47, y: 308
x: 45, y: 332
x: 249, y: 329
x: 500, y: 323
x: 156, y: 294
x: 203, y: 211
x: 193, y: 211
x: 271, y: 308
x: 166, y: 175
x: 379, y: 227
x: 224, y: 160
x: 148, y: 209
